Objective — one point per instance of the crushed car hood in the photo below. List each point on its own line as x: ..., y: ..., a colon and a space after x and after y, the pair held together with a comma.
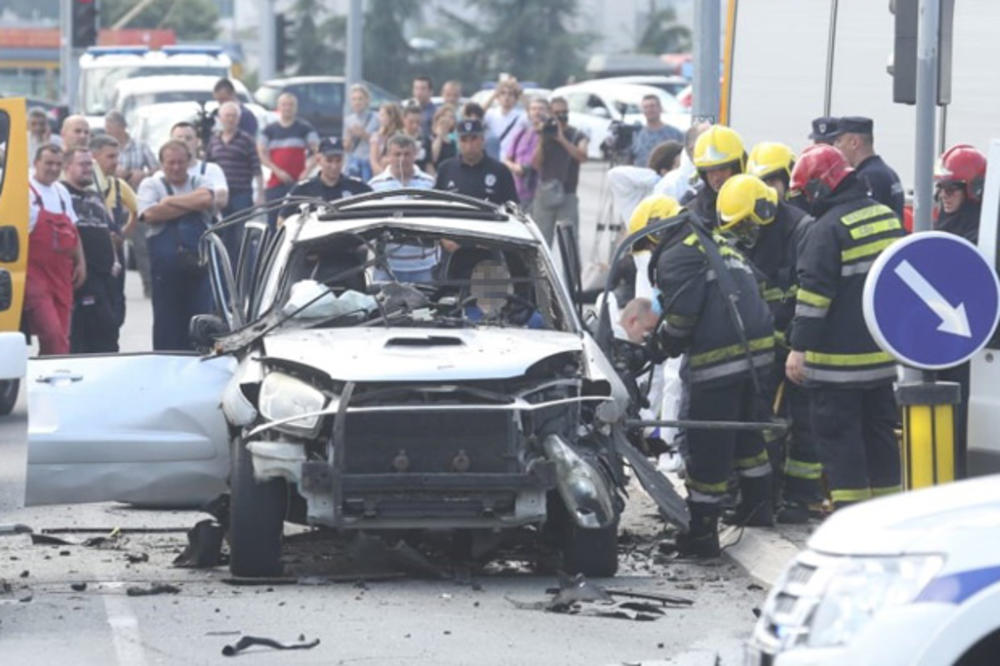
x: 419, y: 354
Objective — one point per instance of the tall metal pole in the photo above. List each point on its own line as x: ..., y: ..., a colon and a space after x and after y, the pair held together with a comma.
x: 706, y: 60
x: 928, y: 17
x: 65, y: 52
x: 265, y: 15
x: 354, y: 71
x: 831, y: 43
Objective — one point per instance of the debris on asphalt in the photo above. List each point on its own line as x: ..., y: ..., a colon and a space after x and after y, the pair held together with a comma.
x: 16, y: 528
x: 136, y: 558
x: 250, y: 641
x: 78, y: 587
x: 115, y: 530
x: 204, y: 546
x: 579, y: 596
x: 25, y: 573
x: 48, y: 540
x: 156, y: 588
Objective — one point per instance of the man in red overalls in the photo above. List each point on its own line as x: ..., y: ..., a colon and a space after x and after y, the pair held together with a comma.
x: 55, y: 256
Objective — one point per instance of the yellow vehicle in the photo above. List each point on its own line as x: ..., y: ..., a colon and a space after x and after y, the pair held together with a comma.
x: 13, y: 246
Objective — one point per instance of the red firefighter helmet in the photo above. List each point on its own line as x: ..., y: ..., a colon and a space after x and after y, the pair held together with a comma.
x: 818, y: 171
x: 962, y: 164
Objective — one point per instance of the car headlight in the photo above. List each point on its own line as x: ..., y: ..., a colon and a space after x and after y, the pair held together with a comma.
x: 283, y: 396
x: 862, y: 586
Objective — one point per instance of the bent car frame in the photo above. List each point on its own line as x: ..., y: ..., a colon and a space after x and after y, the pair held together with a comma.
x: 331, y: 393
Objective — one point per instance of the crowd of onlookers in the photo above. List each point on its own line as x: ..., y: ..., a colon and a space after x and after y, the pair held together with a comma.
x: 94, y: 190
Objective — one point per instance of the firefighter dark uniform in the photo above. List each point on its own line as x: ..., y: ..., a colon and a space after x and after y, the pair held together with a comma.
x: 717, y: 148
x: 960, y: 172
x: 774, y: 254
x: 850, y: 379
x: 94, y: 324
x: 697, y: 321
x: 768, y: 231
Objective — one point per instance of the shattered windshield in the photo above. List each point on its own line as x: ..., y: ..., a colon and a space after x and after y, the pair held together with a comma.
x: 406, y: 278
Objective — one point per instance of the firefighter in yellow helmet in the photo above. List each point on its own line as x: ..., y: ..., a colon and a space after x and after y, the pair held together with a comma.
x: 773, y: 162
x: 768, y: 230
x: 718, y: 155
x: 631, y: 277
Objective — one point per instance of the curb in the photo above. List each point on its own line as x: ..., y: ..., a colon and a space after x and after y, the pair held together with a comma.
x: 763, y: 553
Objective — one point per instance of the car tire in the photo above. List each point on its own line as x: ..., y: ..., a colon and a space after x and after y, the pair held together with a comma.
x: 8, y: 395
x: 591, y: 552
x: 256, y: 518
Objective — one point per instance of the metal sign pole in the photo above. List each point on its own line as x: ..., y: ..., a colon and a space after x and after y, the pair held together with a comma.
x: 706, y: 61
x: 928, y: 17
x: 831, y: 43
x: 265, y: 15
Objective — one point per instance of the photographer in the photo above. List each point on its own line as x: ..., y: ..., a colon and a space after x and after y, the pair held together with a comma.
x: 654, y: 133
x: 557, y: 160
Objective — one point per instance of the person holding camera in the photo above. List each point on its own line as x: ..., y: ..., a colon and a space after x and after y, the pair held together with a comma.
x: 557, y: 160
x: 176, y: 207
x: 521, y: 153
x: 654, y: 133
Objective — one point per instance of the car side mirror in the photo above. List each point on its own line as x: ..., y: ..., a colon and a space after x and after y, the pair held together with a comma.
x: 204, y: 329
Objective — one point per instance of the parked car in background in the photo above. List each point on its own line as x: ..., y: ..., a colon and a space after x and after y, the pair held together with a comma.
x: 13, y: 247
x: 321, y: 99
x: 133, y: 94
x: 103, y: 67
x: 594, y: 105
x: 669, y: 84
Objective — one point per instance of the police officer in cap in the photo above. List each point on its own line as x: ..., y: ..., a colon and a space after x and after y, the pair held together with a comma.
x: 474, y: 173
x: 824, y: 129
x: 854, y: 137
x: 330, y: 183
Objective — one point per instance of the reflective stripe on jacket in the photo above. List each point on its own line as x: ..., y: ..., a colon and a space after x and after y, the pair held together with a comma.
x: 834, y: 258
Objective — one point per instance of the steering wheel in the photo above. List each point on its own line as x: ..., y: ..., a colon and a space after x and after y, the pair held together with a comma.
x: 460, y: 307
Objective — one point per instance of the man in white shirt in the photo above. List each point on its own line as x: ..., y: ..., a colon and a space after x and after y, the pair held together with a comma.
x: 209, y: 172
x: 176, y: 206
x: 56, y: 264
x: 409, y: 263
x: 503, y: 120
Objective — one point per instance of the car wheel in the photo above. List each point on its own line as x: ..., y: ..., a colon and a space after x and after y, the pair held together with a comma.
x: 8, y: 395
x: 256, y: 518
x: 592, y: 552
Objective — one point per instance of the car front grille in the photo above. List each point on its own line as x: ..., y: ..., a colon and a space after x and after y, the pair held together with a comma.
x: 430, y: 442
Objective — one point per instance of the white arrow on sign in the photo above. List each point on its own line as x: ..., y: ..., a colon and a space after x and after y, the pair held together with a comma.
x: 953, y: 319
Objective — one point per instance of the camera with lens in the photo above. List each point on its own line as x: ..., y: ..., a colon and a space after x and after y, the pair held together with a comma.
x: 204, y: 122
x: 618, y: 144
x: 550, y: 127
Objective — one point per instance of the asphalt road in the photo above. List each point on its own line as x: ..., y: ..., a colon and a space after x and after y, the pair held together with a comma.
x: 378, y: 616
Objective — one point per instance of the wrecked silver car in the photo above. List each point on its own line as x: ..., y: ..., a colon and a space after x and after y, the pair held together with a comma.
x: 336, y: 392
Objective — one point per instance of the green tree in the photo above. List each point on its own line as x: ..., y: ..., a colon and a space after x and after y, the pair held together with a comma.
x: 387, y: 53
x: 663, y: 34
x: 318, y: 39
x: 531, y: 39
x: 191, y: 20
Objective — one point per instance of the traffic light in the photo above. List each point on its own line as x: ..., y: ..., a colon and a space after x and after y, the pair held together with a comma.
x: 83, y: 23
x: 280, y: 42
x: 904, y: 54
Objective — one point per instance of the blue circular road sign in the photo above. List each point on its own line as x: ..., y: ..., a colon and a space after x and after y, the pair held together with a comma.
x: 931, y: 300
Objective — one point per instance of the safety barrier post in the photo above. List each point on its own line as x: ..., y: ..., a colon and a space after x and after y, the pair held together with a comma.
x: 928, y: 451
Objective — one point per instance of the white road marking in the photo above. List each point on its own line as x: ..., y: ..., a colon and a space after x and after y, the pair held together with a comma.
x: 124, y: 627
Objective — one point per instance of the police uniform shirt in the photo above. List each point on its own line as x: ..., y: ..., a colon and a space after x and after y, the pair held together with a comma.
x: 883, y: 183
x: 487, y: 179
x: 315, y: 187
